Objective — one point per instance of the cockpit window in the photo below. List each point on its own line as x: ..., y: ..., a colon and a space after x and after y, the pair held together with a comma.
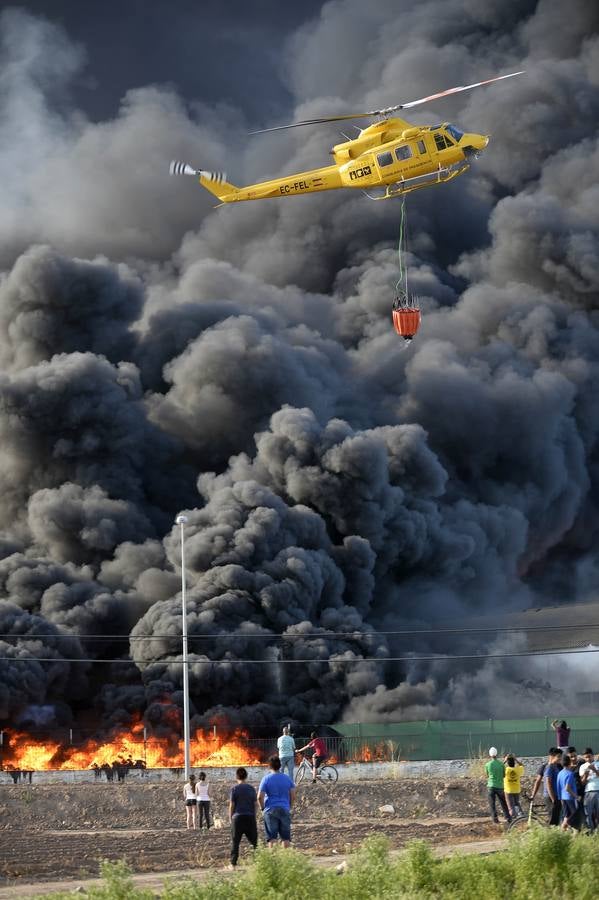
x: 454, y: 132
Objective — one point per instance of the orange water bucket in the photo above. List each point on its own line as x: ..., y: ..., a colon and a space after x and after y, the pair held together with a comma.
x: 406, y: 322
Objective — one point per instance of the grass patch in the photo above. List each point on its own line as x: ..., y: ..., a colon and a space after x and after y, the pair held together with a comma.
x: 544, y: 864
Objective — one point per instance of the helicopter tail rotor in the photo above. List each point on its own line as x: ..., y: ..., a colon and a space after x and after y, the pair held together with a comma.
x: 182, y: 168
x: 215, y: 182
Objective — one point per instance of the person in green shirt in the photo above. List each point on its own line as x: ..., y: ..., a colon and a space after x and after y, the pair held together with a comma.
x: 495, y: 774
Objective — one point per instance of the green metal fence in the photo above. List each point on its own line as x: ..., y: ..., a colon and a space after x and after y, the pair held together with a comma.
x: 462, y: 740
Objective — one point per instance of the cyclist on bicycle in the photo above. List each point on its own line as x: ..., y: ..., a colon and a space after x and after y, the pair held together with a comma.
x: 319, y: 753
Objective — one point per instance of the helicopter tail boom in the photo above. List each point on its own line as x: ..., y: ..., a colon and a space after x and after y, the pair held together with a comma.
x: 316, y: 180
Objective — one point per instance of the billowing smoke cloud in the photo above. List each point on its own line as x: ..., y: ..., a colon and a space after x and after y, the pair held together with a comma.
x: 52, y: 304
x: 159, y: 356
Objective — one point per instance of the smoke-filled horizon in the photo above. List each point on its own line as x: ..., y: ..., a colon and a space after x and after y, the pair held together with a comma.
x: 159, y: 356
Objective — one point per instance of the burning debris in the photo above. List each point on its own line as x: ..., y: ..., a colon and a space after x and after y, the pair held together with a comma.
x: 125, y: 750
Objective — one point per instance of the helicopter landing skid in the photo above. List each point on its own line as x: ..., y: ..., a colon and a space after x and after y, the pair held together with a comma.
x: 407, y: 185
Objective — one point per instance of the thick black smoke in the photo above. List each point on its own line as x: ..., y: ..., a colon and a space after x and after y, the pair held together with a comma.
x: 159, y: 356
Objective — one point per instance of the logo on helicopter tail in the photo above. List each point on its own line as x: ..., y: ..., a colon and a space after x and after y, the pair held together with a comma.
x: 360, y: 173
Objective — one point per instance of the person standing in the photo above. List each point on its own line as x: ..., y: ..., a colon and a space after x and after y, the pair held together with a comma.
x: 203, y: 800
x: 242, y: 814
x: 514, y: 770
x: 566, y: 788
x: 562, y: 733
x: 276, y: 796
x: 576, y: 762
x: 286, y: 748
x: 540, y: 775
x: 495, y: 774
x: 550, y: 791
x: 589, y: 776
x: 191, y: 801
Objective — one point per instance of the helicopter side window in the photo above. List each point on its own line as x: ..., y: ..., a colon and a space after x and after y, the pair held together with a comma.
x: 403, y: 153
x: 421, y: 147
x: 384, y: 159
x: 442, y: 142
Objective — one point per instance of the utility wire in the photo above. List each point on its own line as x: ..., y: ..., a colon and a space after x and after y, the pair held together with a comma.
x: 303, y: 636
x: 330, y: 660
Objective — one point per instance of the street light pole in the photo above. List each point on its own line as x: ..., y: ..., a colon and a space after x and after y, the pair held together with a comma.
x: 182, y: 521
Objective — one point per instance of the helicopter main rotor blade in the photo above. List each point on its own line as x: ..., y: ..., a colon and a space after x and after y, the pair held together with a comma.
x: 363, y: 115
x: 454, y: 90
x: 390, y: 109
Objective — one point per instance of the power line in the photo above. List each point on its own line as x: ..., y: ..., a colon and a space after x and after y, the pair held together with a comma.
x: 330, y: 660
x: 306, y: 635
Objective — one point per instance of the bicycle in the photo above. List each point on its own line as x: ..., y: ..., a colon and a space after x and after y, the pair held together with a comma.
x: 326, y: 773
x: 536, y: 818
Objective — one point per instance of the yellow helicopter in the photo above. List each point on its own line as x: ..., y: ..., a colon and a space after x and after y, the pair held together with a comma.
x: 391, y: 156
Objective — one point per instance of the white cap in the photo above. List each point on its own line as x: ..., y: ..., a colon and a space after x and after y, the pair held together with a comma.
x: 492, y: 751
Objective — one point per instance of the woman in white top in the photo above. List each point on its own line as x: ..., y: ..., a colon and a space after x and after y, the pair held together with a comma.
x: 191, y: 802
x: 203, y: 799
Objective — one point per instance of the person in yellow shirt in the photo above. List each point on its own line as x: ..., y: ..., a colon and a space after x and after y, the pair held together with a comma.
x: 514, y: 770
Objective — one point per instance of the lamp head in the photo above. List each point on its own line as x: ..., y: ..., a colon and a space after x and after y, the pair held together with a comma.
x: 181, y: 520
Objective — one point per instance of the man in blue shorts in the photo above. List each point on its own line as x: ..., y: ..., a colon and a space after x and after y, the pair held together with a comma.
x: 552, y: 798
x: 566, y: 788
x: 276, y: 796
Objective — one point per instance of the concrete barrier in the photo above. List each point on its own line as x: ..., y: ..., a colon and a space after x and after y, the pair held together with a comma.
x: 379, y: 771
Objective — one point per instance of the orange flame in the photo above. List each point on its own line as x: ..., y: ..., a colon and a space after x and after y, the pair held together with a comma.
x: 208, y: 748
x: 376, y: 753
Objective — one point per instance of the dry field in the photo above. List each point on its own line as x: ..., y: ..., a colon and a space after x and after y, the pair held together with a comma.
x: 62, y: 831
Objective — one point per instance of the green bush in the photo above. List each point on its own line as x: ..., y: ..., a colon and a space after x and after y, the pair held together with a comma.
x: 545, y: 864
x: 118, y: 885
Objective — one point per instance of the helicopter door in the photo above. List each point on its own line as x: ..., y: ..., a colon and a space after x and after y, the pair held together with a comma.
x: 422, y: 155
x: 446, y: 148
x: 392, y: 163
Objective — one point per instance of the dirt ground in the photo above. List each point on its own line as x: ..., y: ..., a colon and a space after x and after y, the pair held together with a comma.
x: 51, y: 831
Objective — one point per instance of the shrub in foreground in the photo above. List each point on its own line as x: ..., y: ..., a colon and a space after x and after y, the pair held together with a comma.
x: 545, y: 864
